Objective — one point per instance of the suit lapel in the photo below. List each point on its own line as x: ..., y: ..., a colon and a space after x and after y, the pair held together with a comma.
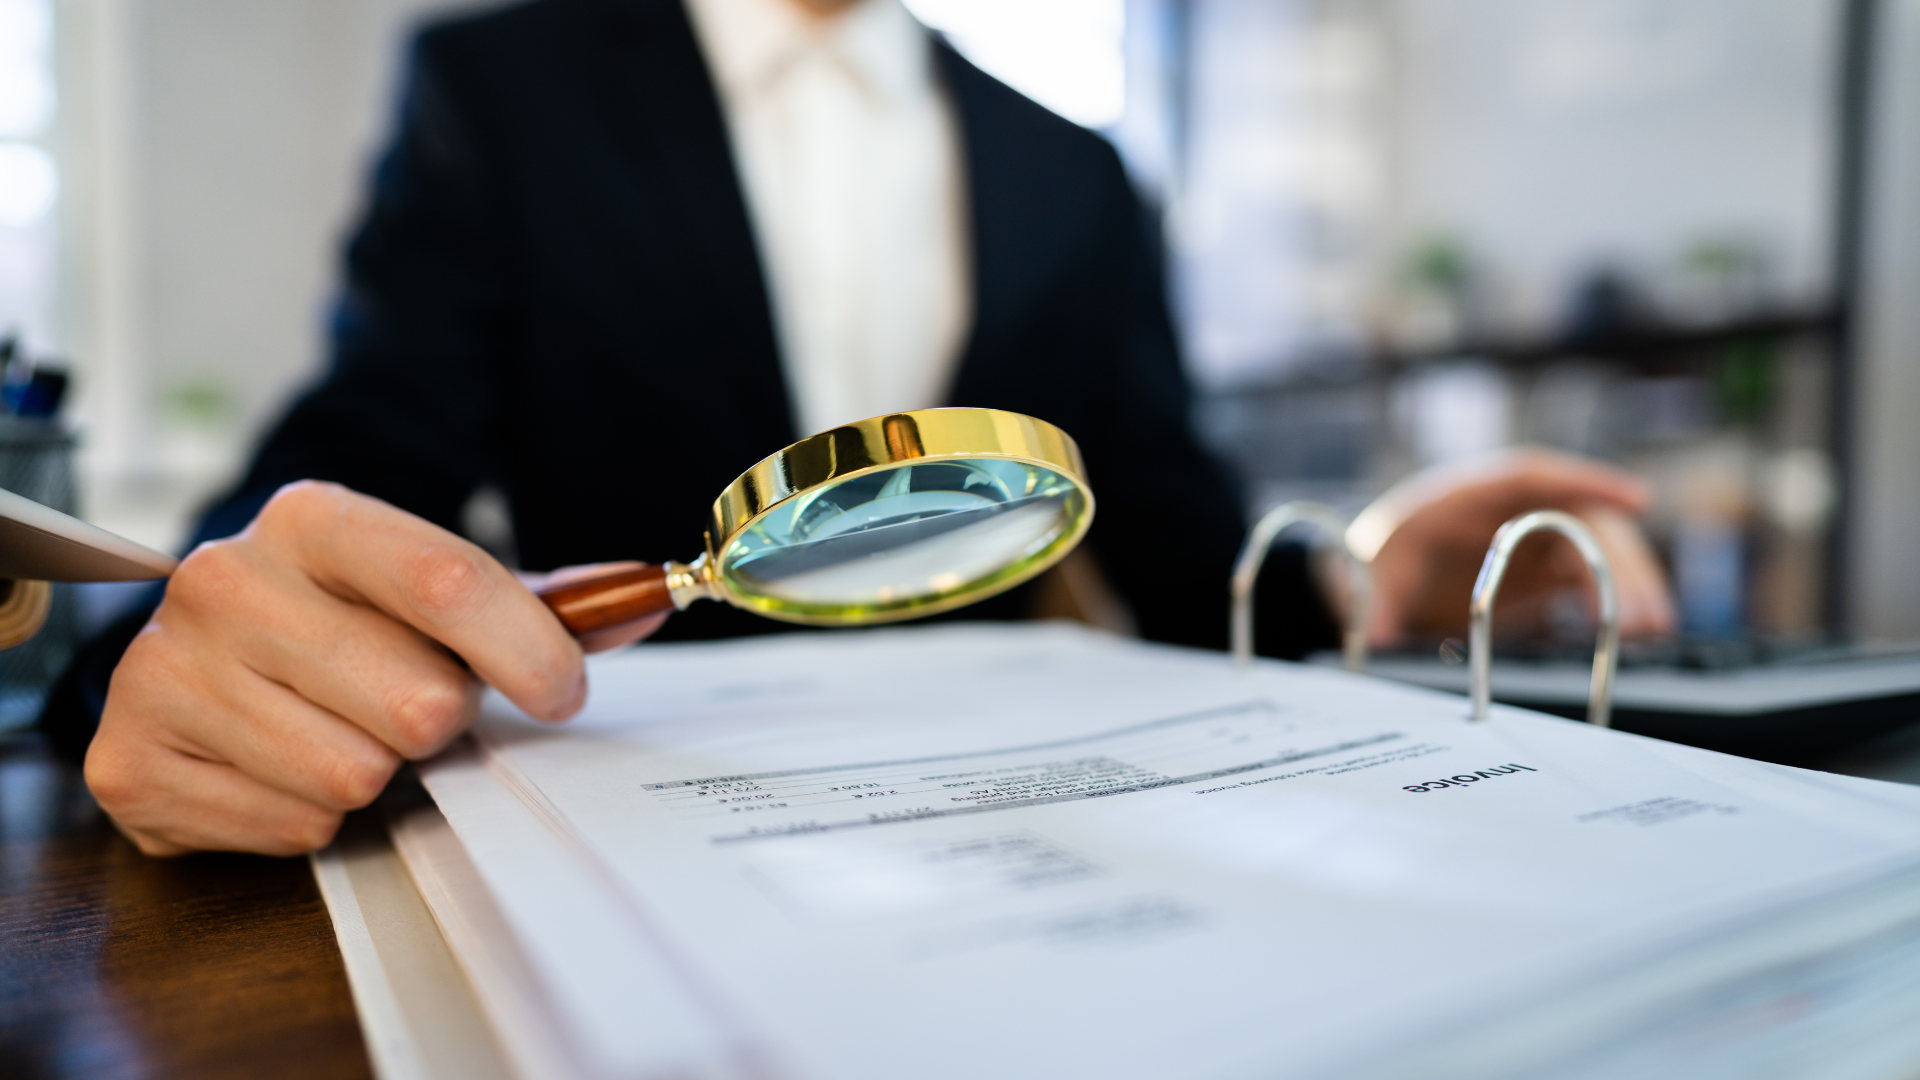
x: 993, y: 226
x: 665, y: 113
x: 1003, y: 239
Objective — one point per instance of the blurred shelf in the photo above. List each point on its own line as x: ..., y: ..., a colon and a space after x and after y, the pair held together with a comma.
x: 1652, y: 345
x: 1629, y: 345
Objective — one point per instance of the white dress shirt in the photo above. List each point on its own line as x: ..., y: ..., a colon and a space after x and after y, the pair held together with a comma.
x: 849, y: 152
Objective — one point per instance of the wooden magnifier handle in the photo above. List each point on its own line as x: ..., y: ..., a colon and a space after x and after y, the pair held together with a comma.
x: 610, y: 600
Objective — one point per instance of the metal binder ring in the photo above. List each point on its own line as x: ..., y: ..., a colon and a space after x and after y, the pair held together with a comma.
x: 1253, y: 555
x: 1606, y: 648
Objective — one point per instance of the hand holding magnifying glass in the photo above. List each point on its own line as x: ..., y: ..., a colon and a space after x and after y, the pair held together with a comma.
x: 291, y: 667
x: 892, y: 518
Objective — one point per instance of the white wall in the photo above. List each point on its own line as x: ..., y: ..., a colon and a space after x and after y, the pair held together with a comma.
x: 1886, y: 540
x: 1555, y: 134
x: 218, y: 150
x: 1549, y: 138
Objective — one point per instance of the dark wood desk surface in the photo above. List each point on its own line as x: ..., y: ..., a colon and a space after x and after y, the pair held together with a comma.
x: 116, y: 965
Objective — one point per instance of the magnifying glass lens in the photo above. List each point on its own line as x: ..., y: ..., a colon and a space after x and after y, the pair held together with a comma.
x: 899, y: 537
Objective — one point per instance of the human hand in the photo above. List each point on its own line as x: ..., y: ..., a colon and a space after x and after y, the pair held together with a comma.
x: 1428, y: 535
x: 292, y: 667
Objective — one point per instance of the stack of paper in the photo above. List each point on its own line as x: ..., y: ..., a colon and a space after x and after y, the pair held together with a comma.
x: 1034, y: 851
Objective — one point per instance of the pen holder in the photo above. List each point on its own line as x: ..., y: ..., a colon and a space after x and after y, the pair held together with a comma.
x: 23, y: 610
x: 39, y: 623
x: 1253, y: 555
x: 1606, y: 647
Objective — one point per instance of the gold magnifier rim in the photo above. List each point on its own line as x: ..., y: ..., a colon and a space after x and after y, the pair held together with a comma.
x: 885, y: 442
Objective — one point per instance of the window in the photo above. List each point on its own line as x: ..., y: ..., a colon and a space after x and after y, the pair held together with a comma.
x: 29, y: 178
x: 1065, y: 54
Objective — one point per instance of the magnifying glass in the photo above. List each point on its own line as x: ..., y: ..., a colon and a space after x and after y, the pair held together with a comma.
x: 892, y: 518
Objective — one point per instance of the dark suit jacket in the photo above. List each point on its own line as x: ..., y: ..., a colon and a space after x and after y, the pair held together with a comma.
x: 556, y: 290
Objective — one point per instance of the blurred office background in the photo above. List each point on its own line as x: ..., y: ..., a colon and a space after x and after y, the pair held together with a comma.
x: 1684, y: 237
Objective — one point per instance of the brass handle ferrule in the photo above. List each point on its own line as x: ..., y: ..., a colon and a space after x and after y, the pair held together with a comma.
x: 687, y: 582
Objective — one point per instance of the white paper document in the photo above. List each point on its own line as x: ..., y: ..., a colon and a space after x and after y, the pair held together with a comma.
x: 1034, y: 851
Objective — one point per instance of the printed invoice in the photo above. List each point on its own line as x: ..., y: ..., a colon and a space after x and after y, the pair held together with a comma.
x: 1038, y: 852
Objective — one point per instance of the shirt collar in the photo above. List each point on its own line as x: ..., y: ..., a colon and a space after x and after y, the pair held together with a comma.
x: 750, y: 44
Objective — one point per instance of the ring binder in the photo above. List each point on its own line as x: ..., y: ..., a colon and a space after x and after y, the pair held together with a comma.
x: 1253, y: 555
x: 1606, y: 647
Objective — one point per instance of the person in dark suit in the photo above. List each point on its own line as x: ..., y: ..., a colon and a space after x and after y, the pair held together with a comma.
x: 558, y: 291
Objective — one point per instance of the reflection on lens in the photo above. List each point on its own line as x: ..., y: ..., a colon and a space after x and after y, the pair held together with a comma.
x: 897, y: 536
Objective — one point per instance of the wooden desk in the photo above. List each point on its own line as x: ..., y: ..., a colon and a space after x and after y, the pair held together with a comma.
x: 113, y: 964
